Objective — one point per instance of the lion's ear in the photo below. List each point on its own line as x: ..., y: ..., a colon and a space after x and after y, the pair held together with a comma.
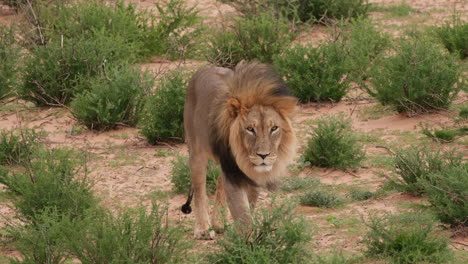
x: 233, y: 106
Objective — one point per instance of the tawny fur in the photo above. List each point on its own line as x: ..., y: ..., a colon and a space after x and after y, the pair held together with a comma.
x: 222, y: 99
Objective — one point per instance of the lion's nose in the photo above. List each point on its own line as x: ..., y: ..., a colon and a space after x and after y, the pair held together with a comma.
x: 263, y: 156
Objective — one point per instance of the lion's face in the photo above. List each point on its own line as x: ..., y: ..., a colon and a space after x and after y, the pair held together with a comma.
x: 261, y: 131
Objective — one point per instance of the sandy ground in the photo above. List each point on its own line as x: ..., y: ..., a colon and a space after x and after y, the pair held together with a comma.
x: 129, y: 172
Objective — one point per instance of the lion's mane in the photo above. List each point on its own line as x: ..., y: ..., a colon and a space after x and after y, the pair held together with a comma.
x: 250, y: 84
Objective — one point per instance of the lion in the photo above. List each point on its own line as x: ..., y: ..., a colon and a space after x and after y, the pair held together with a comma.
x: 241, y: 119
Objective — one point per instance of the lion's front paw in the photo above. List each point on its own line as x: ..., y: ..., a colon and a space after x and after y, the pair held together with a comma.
x: 204, y: 234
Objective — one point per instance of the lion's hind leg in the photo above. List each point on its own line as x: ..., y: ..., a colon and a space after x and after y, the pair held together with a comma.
x: 198, y: 163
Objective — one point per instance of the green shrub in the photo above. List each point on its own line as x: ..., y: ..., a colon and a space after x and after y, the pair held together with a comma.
x: 406, y: 238
x: 315, y: 74
x: 53, y: 72
x: 446, y: 134
x: 360, y: 195
x: 9, y: 58
x: 163, y: 113
x: 115, y: 97
x: 463, y: 114
x: 173, y: 31
x: 250, y: 38
x: 133, y: 236
x: 333, y: 144
x: 321, y: 198
x: 416, y: 163
x: 447, y: 190
x: 454, y: 36
x: 181, y: 175
x: 304, y: 10
x: 400, y: 10
x: 177, y: 31
x: 296, y: 183
x: 49, y: 182
x: 363, y: 42
x: 15, y: 148
x: 278, y: 236
x: 41, y: 242
x: 418, y: 77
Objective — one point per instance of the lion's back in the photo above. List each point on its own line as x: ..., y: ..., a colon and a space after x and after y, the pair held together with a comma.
x: 202, y: 90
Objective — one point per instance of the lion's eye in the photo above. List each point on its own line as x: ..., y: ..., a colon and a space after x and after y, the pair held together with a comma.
x: 274, y: 128
x: 251, y: 130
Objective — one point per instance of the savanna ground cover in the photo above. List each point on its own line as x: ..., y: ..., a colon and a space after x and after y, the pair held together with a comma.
x: 94, y: 143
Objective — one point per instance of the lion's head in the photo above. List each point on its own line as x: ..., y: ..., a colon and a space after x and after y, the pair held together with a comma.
x: 254, y: 119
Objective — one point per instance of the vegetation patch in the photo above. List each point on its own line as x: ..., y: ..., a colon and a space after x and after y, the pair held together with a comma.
x: 416, y: 163
x: 361, y: 195
x: 292, y: 184
x: 447, y: 190
x: 419, y: 77
x: 16, y: 146
x: 315, y: 74
x: 321, y: 198
x: 406, y: 238
x: 400, y: 10
x: 304, y: 10
x: 445, y: 134
x: 115, y: 97
x: 278, y: 235
x: 454, y: 36
x: 48, y: 182
x: 363, y: 43
x: 132, y: 236
x: 181, y: 179
x: 334, y: 145
x: 162, y: 117
x: 249, y: 38
x: 10, y: 55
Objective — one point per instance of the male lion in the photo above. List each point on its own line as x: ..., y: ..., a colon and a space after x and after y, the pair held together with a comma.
x: 241, y: 119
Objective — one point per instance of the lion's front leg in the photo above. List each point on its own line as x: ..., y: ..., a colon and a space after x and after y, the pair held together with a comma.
x: 218, y: 214
x: 238, y: 203
x: 198, y: 164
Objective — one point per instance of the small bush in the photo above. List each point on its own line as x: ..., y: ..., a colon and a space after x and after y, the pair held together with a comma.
x: 133, y: 236
x: 418, y: 78
x: 41, y: 242
x: 416, y: 163
x: 181, y: 175
x: 9, y: 58
x: 334, y: 145
x: 463, y: 114
x: 406, y: 238
x: 445, y: 135
x: 400, y: 10
x: 454, y: 36
x: 49, y: 182
x: 315, y: 74
x: 304, y: 10
x: 172, y: 31
x: 53, y: 72
x: 114, y: 98
x: 250, y: 38
x: 321, y: 198
x: 296, y: 183
x: 447, y: 190
x: 278, y: 236
x: 16, y: 148
x: 163, y: 113
x: 360, y: 195
x: 363, y: 42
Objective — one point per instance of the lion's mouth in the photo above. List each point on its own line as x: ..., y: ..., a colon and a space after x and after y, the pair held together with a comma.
x: 263, y: 168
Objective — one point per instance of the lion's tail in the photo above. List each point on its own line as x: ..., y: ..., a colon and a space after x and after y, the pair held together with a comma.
x: 186, y: 208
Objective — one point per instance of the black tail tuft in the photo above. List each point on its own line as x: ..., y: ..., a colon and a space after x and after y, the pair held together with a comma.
x: 186, y: 208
